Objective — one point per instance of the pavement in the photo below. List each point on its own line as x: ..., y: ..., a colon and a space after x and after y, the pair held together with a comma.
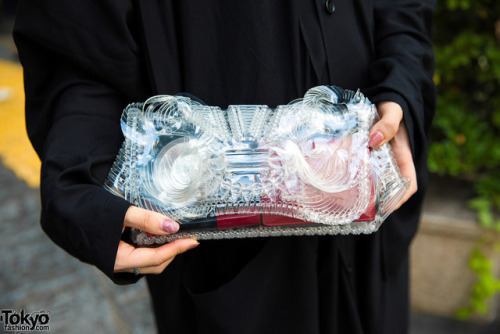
x: 37, y: 277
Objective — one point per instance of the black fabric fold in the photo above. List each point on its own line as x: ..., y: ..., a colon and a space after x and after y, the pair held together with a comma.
x: 77, y: 83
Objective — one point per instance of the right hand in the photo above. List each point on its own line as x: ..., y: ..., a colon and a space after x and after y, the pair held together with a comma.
x: 392, y: 128
x: 149, y: 260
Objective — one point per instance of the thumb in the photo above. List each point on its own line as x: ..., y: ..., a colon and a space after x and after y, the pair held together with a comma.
x: 386, y: 128
x: 149, y: 221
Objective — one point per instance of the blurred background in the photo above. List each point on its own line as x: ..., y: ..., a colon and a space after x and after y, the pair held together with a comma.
x: 455, y: 266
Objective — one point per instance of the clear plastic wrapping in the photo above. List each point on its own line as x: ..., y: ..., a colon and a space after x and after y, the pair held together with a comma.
x: 300, y: 169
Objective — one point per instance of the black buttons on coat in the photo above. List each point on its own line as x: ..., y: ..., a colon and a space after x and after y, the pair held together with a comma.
x: 330, y: 6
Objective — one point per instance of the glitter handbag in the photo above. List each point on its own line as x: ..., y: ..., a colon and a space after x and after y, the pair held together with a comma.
x: 250, y: 171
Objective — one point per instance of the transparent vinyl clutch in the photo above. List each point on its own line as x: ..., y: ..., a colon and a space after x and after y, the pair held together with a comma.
x: 250, y: 171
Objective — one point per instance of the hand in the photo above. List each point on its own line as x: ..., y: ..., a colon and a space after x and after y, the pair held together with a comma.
x: 149, y: 260
x: 391, y: 128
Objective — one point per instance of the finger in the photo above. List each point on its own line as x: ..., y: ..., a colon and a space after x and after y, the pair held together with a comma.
x: 152, y: 270
x: 404, y: 158
x: 386, y: 128
x: 129, y: 257
x: 149, y: 221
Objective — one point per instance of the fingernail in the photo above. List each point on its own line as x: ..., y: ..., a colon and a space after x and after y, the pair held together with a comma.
x: 194, y: 245
x: 376, y: 139
x: 169, y: 226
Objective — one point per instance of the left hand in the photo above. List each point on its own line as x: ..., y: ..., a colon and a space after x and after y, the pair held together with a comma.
x: 391, y: 128
x: 149, y: 260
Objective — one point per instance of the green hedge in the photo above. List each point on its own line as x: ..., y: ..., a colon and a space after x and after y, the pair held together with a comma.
x: 466, y: 130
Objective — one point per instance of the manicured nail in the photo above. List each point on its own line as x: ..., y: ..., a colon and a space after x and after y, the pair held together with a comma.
x: 376, y: 139
x: 169, y: 226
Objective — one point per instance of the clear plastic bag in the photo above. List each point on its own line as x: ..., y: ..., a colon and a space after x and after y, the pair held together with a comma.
x: 301, y: 169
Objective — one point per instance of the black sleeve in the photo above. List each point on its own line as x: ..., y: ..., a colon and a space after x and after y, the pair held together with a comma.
x: 402, y: 71
x: 404, y: 64
x: 81, y: 67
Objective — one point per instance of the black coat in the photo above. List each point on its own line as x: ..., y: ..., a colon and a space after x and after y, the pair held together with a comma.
x: 85, y: 61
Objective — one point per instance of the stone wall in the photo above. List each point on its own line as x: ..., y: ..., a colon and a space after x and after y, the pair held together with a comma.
x: 440, y: 278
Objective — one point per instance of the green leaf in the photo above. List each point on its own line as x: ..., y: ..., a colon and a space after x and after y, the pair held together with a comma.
x: 463, y: 313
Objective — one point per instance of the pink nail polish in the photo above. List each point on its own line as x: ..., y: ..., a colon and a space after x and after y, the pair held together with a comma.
x: 169, y: 226
x: 376, y: 139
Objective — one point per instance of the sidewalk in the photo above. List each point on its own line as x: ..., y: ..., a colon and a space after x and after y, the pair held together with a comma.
x: 38, y: 276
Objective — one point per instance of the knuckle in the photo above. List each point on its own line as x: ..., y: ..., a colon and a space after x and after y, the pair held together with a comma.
x: 414, y: 188
x: 160, y: 258
x: 164, y: 266
x: 146, y: 223
x: 156, y: 271
x: 157, y: 261
x: 391, y: 129
x: 395, y: 128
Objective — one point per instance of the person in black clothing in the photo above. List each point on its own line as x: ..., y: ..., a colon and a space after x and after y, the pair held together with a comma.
x: 84, y: 61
